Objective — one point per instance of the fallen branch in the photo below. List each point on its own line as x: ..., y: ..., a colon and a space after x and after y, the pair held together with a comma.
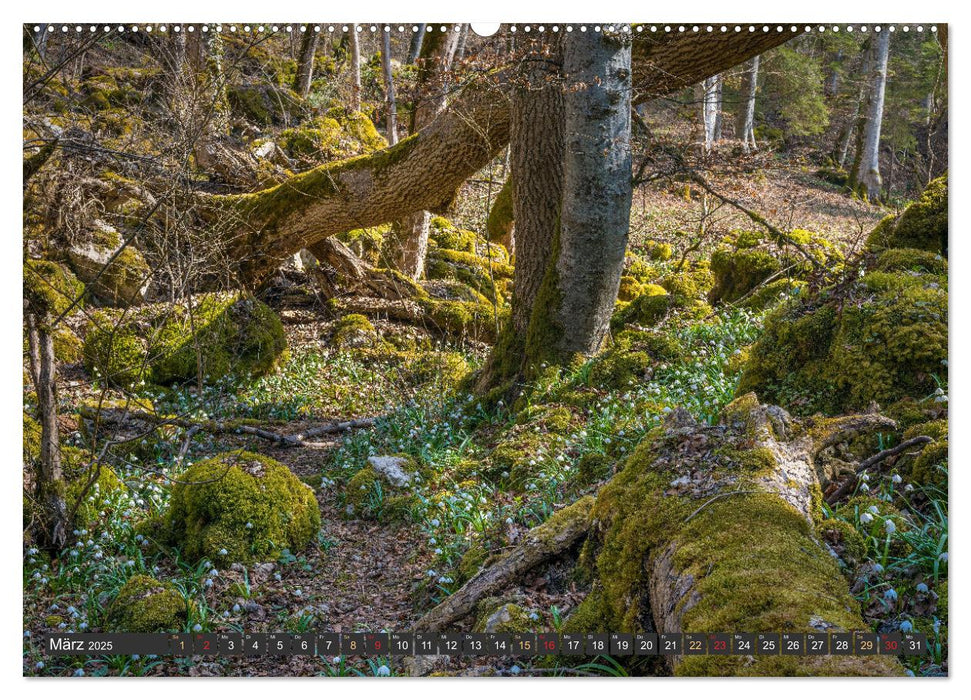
x: 541, y: 544
x: 230, y: 427
x: 850, y: 483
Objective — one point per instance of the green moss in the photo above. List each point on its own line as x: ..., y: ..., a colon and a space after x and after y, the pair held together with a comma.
x: 639, y: 269
x: 447, y: 236
x: 646, y: 310
x: 911, y: 260
x: 819, y: 353
x: 844, y: 539
x: 922, y: 225
x: 591, y: 615
x: 370, y: 494
x: 752, y: 561
x: 50, y: 288
x: 506, y: 618
x: 264, y: 104
x: 31, y: 438
x: 930, y: 466
x: 352, y: 331
x: 463, y: 318
x: 772, y: 294
x: 660, y: 251
x: 225, y: 334
x: 240, y: 507
x: 738, y: 272
x: 366, y: 243
x: 632, y: 357
x: 145, y: 604
x: 470, y: 563
x: 104, y: 488
x: 593, y: 467
x: 500, y: 221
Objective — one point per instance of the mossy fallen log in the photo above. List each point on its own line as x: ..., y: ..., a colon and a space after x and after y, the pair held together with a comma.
x: 713, y: 529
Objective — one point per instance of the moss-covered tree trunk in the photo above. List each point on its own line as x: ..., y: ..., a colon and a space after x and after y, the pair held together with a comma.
x: 424, y: 171
x: 713, y: 529
x: 571, y: 173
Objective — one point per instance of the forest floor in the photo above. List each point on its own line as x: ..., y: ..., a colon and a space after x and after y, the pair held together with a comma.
x: 376, y: 573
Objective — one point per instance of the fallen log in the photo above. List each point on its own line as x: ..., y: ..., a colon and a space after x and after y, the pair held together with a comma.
x: 230, y: 427
x: 541, y: 544
x: 711, y: 528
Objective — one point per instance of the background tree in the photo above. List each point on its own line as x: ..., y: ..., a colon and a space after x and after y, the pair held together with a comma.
x: 389, y: 98
x: 305, y: 62
x: 868, y: 172
x: 745, y: 124
x: 355, y: 69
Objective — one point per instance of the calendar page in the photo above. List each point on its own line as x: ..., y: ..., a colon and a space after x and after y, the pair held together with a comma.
x: 514, y: 350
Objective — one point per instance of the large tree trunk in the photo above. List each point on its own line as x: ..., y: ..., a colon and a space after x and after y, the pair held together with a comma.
x: 595, y: 214
x: 305, y: 64
x: 425, y: 170
x: 712, y: 529
x: 868, y: 174
x: 408, y: 242
x: 746, y: 122
x: 355, y: 70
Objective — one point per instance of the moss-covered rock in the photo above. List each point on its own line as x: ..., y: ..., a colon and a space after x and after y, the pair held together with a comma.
x: 826, y: 353
x: 738, y: 272
x: 447, y: 236
x: 504, y: 618
x: 385, y: 489
x: 265, y: 104
x: 646, y: 310
x: 116, y: 274
x: 922, y: 225
x: 632, y: 358
x: 145, y: 604
x: 354, y: 331
x: 162, y: 343
x: 930, y: 466
x: 338, y: 135
x: 488, y: 277
x: 911, y: 260
x: 240, y: 507
x: 50, y: 288
x: 843, y: 539
x: 772, y: 294
x: 501, y: 216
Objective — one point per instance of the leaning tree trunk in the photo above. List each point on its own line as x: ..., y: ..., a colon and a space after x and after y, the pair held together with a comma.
x: 424, y: 171
x: 712, y: 529
x: 305, y: 64
x: 746, y: 122
x: 355, y: 70
x: 868, y: 175
x: 408, y: 241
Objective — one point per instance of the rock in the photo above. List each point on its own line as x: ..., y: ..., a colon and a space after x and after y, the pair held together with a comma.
x: 145, y: 604
x: 122, y: 282
x: 508, y: 617
x: 393, y: 469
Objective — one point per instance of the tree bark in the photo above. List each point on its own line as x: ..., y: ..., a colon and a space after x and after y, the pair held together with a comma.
x: 709, y: 110
x: 415, y: 48
x: 305, y: 64
x: 719, y: 86
x: 868, y: 175
x: 746, y: 121
x: 597, y: 191
x: 355, y: 70
x: 463, y: 39
x: 50, y: 489
x: 425, y: 170
x: 389, y: 98
x: 408, y: 241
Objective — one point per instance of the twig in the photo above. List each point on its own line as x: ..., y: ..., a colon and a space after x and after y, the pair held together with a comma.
x: 850, y: 483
